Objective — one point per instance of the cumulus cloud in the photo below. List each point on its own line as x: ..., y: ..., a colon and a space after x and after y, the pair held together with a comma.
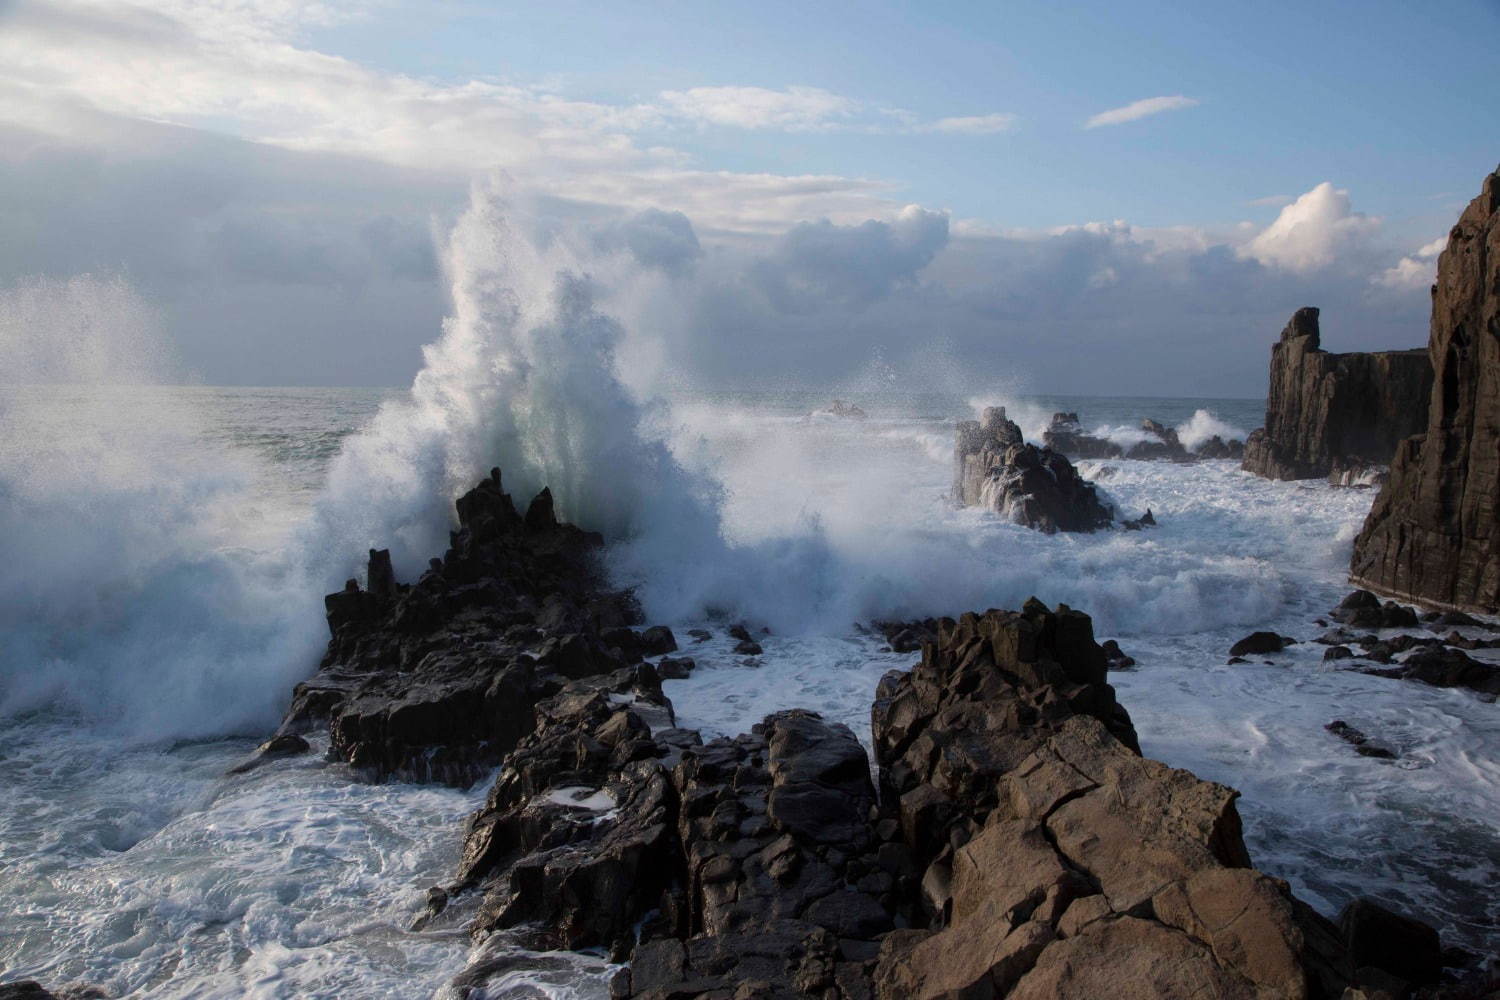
x: 816, y: 264
x: 1136, y: 110
x: 1311, y: 232
x: 1419, y: 270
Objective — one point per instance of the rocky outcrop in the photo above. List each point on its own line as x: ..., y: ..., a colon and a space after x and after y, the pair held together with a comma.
x: 1335, y: 416
x: 437, y: 680
x: 1033, y: 486
x: 1065, y: 434
x: 842, y: 408
x: 1433, y: 534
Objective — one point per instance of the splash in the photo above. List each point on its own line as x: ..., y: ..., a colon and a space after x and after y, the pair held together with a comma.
x: 1204, y: 425
x: 128, y: 592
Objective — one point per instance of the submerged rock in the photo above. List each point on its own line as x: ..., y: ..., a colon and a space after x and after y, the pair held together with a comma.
x: 1433, y: 534
x: 1335, y: 415
x: 1033, y: 486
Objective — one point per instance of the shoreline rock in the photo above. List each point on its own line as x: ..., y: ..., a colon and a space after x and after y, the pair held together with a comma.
x: 1433, y: 534
x: 1065, y: 434
x: 1335, y: 416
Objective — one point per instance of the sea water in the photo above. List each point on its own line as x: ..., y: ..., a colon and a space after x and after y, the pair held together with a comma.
x: 137, y: 864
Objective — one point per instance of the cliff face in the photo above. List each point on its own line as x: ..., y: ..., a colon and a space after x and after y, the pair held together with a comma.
x: 1335, y: 414
x: 1432, y: 535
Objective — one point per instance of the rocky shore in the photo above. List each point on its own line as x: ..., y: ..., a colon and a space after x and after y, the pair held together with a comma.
x: 1336, y: 416
x: 1007, y: 839
x: 1433, y: 534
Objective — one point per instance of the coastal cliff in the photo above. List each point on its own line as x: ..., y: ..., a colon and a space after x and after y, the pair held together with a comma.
x: 1339, y: 416
x: 1432, y: 535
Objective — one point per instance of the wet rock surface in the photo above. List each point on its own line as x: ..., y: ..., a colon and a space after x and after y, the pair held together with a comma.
x: 1335, y: 416
x: 1037, y: 487
x: 1065, y: 434
x: 1441, y: 661
x: 1433, y: 533
x: 436, y: 680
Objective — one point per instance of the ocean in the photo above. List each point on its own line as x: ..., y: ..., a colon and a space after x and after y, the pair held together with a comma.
x: 165, y: 550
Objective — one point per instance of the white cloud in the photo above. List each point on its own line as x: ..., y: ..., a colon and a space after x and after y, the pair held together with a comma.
x: 1140, y: 109
x: 1418, y: 270
x: 1272, y: 201
x: 974, y: 124
x: 1311, y: 232
x: 795, y: 109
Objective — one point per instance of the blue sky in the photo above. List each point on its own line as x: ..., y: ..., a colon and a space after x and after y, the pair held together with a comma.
x: 1388, y: 99
x: 1014, y: 185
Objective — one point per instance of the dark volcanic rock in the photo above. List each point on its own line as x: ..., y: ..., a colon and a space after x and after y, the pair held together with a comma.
x: 1259, y: 642
x: 435, y: 680
x: 1433, y: 534
x: 1033, y: 486
x: 1067, y: 436
x: 1332, y: 415
x: 1401, y: 946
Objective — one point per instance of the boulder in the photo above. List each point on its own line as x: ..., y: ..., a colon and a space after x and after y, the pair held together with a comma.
x: 1380, y: 938
x: 1327, y: 414
x: 1257, y: 643
x: 1433, y: 533
x: 1066, y: 436
x: 1037, y: 487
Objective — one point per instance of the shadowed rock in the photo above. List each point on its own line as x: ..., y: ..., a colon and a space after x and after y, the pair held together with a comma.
x: 1033, y: 486
x: 1433, y: 534
x: 1335, y: 415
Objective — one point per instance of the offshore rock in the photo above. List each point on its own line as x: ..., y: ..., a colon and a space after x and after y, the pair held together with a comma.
x: 1037, y: 487
x: 1065, y: 434
x: 1433, y: 534
x: 436, y: 680
x: 1336, y: 416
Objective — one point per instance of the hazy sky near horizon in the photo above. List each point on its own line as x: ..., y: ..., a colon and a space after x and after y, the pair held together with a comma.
x: 1076, y: 198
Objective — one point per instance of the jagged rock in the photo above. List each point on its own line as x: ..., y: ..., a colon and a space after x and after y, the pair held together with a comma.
x: 1433, y: 533
x: 1115, y: 657
x: 908, y: 637
x: 1362, y: 609
x: 1066, y: 435
x: 1146, y: 520
x: 1162, y: 445
x: 1058, y: 861
x: 435, y: 680
x: 1033, y: 486
x: 1328, y: 413
x: 1217, y: 447
x: 1258, y: 643
x: 1441, y: 666
x: 843, y: 408
x: 675, y: 668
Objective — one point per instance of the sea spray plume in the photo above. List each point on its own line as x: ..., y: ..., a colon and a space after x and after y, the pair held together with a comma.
x: 126, y: 590
x: 1204, y: 425
x: 523, y: 376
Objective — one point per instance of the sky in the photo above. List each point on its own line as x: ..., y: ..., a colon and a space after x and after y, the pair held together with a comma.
x: 1115, y: 198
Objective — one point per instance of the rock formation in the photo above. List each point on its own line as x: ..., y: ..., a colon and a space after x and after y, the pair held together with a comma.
x: 1338, y: 416
x: 436, y: 680
x: 1065, y: 434
x: 1433, y: 534
x: 1019, y: 844
x: 1033, y: 486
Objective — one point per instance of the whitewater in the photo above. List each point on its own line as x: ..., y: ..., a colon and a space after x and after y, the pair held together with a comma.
x: 163, y: 552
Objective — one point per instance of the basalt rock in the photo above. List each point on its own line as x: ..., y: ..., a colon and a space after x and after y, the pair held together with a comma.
x: 1335, y: 415
x: 1037, y: 487
x: 1433, y: 533
x: 436, y: 680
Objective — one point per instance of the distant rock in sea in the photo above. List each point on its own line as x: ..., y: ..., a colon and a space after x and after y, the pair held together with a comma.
x: 1433, y: 534
x: 1336, y: 416
x: 1037, y: 487
x: 1065, y: 434
x: 842, y: 408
